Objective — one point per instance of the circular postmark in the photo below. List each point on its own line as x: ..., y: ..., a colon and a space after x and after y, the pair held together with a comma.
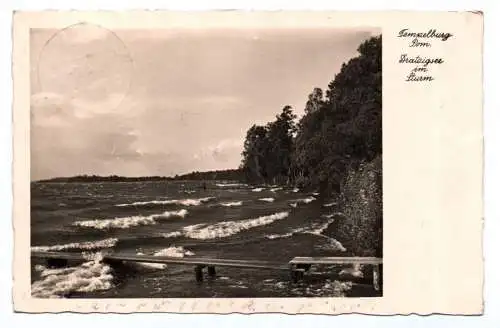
x: 86, y: 64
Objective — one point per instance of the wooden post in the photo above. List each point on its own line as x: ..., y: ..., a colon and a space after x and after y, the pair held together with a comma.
x: 381, y: 276
x: 293, y: 274
x: 376, y: 277
x: 211, y: 271
x: 198, y: 272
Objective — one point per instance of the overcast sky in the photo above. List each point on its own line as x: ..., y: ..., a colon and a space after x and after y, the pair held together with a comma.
x: 163, y: 102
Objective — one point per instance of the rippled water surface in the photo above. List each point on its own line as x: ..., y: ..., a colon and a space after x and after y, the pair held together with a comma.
x: 225, y: 220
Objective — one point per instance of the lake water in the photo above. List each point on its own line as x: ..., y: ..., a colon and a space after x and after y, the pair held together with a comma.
x: 225, y: 220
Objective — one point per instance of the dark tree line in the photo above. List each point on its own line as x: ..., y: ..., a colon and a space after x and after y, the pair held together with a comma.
x: 340, y: 129
x: 229, y: 174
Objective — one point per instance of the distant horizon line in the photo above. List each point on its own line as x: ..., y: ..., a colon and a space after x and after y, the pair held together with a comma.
x: 171, y: 176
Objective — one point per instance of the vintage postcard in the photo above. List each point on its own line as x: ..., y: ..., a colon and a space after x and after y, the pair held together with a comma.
x: 250, y: 162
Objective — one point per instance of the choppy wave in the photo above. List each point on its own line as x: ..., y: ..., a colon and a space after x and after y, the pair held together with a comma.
x: 329, y: 288
x: 305, y: 200
x: 331, y: 243
x: 225, y: 228
x: 171, y: 251
x: 231, y: 204
x: 296, y: 202
x: 319, y: 228
x: 184, y: 202
x: 229, y: 228
x: 316, y: 228
x: 268, y: 199
x: 86, y: 245
x: 277, y: 236
x: 354, y: 271
x: 130, y: 221
x: 257, y: 189
x: 230, y: 185
x: 87, y: 277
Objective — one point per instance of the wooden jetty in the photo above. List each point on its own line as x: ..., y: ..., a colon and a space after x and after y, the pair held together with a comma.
x: 297, y: 266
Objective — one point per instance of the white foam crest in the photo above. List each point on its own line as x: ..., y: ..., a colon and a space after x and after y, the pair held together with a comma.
x: 174, y: 251
x: 354, y: 271
x: 257, y: 189
x: 315, y: 229
x: 320, y: 228
x: 185, y: 202
x: 295, y: 190
x: 86, y: 245
x: 268, y: 199
x: 151, y: 202
x: 315, y: 193
x: 172, y: 234
x: 293, y: 205
x: 87, y: 277
x: 278, y: 236
x: 330, y: 204
x: 229, y: 228
x: 332, y: 243
x: 171, y: 251
x: 276, y: 189
x: 306, y: 200
x: 231, y: 204
x: 231, y: 184
x: 130, y: 221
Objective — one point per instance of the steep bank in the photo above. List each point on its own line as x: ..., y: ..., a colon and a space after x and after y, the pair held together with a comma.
x: 360, y: 228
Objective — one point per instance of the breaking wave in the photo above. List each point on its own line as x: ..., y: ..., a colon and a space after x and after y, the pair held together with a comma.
x: 86, y: 245
x: 269, y: 199
x: 316, y: 229
x: 87, y: 277
x: 229, y: 228
x: 225, y: 228
x: 130, y: 221
x: 184, y: 202
x: 171, y: 251
x: 276, y: 189
x: 257, y: 189
x: 330, y: 204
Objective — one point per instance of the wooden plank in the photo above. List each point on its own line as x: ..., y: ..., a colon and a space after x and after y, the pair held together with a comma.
x: 57, y: 255
x: 199, y: 261
x: 336, y: 260
x: 169, y: 260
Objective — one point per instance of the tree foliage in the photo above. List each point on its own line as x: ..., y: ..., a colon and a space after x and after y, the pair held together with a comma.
x: 335, y: 147
x: 340, y: 128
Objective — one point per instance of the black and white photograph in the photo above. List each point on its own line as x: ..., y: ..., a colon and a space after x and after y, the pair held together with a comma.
x: 206, y: 162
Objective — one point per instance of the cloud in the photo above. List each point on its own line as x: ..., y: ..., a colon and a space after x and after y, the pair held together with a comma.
x: 168, y: 101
